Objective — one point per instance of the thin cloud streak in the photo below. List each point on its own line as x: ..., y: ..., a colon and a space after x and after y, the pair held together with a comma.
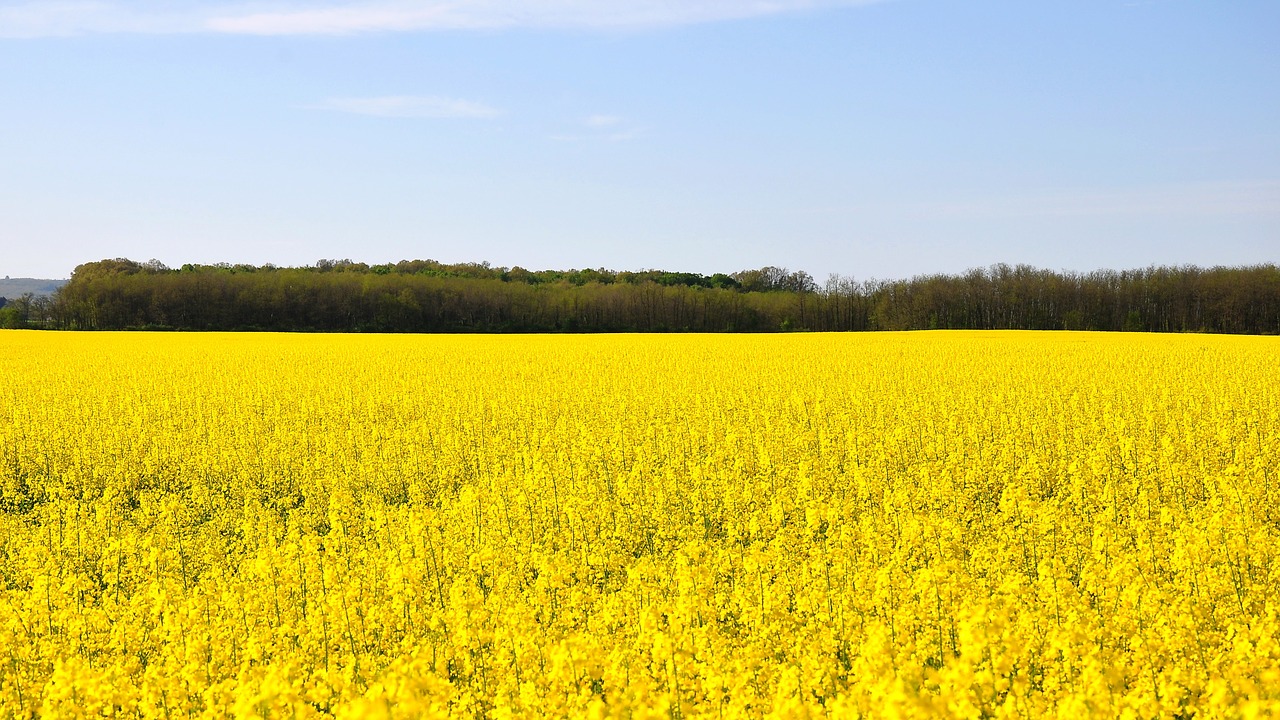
x: 410, y: 106
x: 71, y: 18
x: 61, y: 18
x: 404, y: 15
x: 613, y: 128
x: 348, y: 20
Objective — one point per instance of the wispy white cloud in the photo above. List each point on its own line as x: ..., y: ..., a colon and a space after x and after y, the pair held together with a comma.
x: 613, y: 128
x: 406, y: 15
x: 59, y: 18
x: 349, y: 19
x: 601, y: 121
x: 410, y: 106
x: 625, y: 134
x: 44, y: 18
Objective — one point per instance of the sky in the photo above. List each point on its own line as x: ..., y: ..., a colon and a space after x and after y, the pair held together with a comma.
x: 873, y: 139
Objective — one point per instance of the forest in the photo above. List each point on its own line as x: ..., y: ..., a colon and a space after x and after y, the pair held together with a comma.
x: 430, y: 296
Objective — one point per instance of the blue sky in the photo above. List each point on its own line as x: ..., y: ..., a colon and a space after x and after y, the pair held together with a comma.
x: 872, y: 139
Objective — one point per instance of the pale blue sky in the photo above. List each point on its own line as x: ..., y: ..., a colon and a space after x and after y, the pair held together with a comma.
x: 873, y: 139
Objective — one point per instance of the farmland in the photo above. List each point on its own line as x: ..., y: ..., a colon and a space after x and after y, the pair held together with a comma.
x: 1000, y: 524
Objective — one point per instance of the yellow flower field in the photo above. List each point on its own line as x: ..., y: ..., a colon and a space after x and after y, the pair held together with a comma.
x: 964, y: 524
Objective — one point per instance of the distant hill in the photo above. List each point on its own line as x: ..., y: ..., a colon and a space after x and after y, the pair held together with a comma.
x: 14, y: 287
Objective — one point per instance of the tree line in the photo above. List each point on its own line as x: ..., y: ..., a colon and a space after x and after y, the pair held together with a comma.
x: 429, y: 296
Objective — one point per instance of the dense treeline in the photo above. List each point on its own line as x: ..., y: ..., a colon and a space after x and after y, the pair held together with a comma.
x: 428, y: 296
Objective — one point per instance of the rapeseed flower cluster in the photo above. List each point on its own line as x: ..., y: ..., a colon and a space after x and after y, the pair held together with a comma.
x: 962, y: 524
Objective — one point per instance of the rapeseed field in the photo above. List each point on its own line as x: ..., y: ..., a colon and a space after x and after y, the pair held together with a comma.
x: 963, y: 524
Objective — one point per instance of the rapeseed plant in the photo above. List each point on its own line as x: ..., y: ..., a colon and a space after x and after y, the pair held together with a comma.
x: 969, y: 524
